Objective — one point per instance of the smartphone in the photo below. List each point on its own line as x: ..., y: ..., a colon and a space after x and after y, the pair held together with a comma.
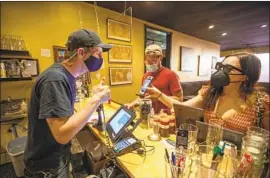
x: 182, y: 138
x: 146, y: 83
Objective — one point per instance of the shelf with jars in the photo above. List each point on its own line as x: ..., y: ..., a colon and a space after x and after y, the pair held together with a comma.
x: 16, y: 63
x: 17, y: 66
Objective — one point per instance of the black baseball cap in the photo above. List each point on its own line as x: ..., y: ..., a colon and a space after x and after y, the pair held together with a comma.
x: 85, y: 38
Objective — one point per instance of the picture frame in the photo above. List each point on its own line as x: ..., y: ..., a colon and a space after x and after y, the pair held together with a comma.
x: 120, y: 75
x: 213, y: 64
x: 204, y: 65
x: 118, y: 30
x: 120, y: 54
x: 59, y: 53
x: 30, y: 67
x: 187, y: 59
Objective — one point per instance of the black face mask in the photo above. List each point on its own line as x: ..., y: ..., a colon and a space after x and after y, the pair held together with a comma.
x: 219, y: 79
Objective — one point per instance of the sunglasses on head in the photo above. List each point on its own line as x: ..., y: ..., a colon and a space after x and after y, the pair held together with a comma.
x: 227, y: 68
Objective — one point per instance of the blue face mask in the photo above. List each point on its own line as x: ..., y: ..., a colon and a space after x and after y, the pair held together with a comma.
x: 151, y: 68
x: 93, y: 63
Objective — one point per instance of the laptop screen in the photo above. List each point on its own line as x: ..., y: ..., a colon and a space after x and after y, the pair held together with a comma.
x: 187, y: 114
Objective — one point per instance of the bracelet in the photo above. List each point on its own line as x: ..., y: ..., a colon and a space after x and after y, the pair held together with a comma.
x: 159, y: 95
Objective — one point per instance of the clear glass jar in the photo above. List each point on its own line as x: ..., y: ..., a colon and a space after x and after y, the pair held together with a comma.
x: 164, y: 128
x: 258, y: 136
x: 145, y: 106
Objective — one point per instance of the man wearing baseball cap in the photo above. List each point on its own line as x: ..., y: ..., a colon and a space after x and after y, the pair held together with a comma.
x: 165, y: 81
x: 52, y: 122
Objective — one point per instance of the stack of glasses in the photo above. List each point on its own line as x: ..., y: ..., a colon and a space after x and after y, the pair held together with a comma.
x: 216, y: 158
x: 255, y: 143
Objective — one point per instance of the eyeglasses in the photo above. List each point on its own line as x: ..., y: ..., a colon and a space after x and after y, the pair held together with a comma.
x: 227, y: 68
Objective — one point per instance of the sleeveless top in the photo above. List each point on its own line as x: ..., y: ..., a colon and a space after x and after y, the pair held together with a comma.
x: 239, y: 121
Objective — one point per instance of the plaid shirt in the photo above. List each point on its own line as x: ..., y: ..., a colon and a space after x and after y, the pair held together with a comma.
x: 238, y: 121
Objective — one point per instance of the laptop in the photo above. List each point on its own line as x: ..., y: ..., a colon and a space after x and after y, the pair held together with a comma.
x: 228, y: 135
x: 195, y: 116
x: 187, y: 114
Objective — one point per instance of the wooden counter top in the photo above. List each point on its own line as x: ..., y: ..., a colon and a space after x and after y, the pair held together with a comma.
x: 152, y: 166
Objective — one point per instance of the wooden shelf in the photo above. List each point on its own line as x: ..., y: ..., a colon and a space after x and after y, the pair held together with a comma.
x: 14, y: 54
x: 14, y: 79
x: 15, y: 57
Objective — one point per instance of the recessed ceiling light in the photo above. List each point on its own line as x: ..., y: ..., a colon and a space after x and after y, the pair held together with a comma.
x: 211, y: 26
x: 224, y: 34
x: 264, y: 26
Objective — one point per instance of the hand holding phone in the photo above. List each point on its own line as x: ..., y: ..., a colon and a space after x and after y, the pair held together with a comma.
x: 146, y: 84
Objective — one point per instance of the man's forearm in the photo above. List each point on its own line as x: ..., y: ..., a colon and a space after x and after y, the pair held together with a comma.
x: 77, y: 121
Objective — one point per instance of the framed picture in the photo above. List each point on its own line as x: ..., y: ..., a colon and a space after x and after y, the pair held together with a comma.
x: 59, y: 53
x: 204, y: 65
x: 120, y: 75
x: 118, y: 30
x: 213, y: 64
x: 120, y: 54
x: 30, y: 67
x: 187, y: 59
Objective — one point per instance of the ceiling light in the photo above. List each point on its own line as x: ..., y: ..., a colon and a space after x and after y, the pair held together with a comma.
x: 224, y: 34
x: 211, y: 26
x: 162, y: 46
x: 264, y: 26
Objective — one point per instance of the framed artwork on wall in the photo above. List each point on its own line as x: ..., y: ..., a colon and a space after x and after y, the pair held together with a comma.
x: 120, y: 54
x: 204, y: 65
x: 120, y: 75
x: 30, y: 67
x: 187, y: 59
x: 118, y: 30
x: 59, y: 53
x: 213, y: 64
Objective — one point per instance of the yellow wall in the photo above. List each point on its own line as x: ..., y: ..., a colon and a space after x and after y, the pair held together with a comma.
x: 44, y: 24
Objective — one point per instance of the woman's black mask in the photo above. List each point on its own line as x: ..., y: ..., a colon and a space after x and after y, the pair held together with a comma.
x: 221, y: 77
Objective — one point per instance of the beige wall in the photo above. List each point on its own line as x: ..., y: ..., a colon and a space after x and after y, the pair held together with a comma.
x: 201, y: 47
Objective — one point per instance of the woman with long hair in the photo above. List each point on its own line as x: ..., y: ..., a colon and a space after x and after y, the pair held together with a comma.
x: 231, y: 95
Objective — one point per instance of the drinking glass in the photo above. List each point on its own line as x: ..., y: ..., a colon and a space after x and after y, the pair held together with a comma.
x: 207, y: 166
x: 4, y: 42
x: 154, y: 124
x: 215, y: 131
x: 192, y: 135
x: 258, y: 135
x: 186, y: 170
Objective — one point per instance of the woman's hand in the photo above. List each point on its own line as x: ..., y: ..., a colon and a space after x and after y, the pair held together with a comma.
x: 152, y: 93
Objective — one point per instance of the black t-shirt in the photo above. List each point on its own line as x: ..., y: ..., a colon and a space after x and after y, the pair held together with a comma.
x: 52, y: 96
